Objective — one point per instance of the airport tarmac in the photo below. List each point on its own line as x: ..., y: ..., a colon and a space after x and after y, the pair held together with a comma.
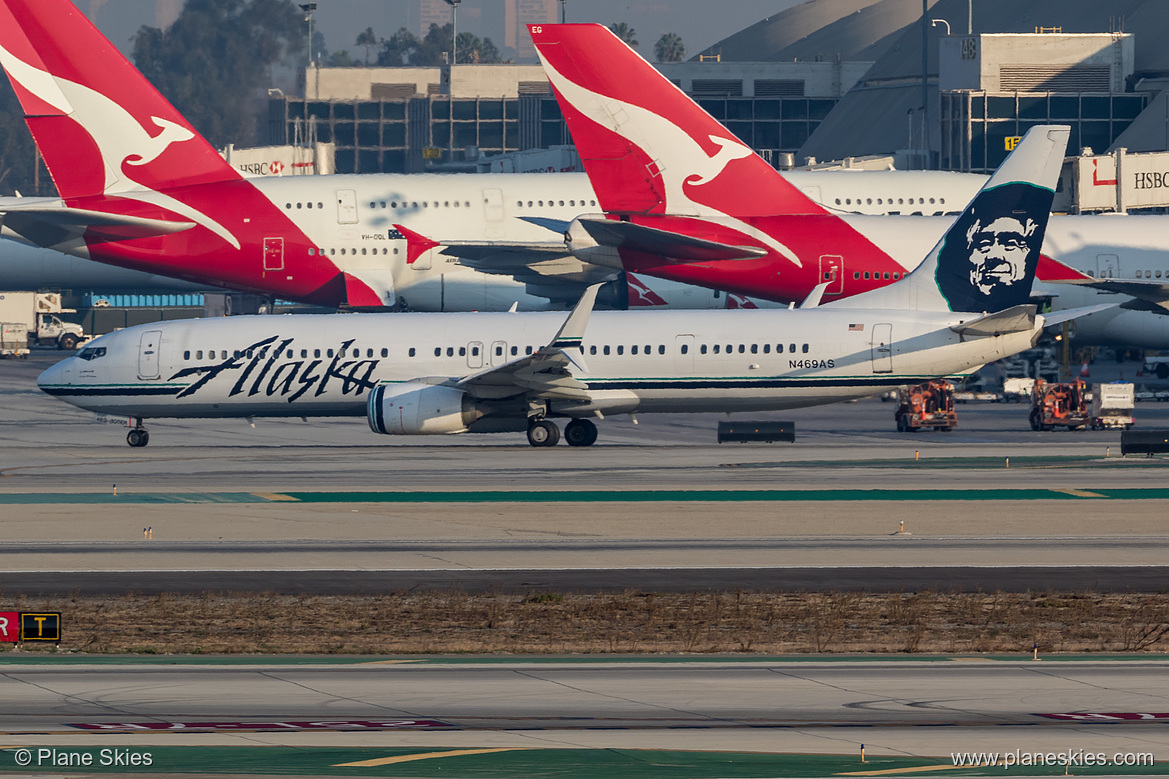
x: 898, y: 708
x: 328, y: 504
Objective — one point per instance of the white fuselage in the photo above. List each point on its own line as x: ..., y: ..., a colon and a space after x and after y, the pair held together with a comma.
x: 306, y: 365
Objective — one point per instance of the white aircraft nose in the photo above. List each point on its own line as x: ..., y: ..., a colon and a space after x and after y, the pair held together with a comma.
x: 56, y: 375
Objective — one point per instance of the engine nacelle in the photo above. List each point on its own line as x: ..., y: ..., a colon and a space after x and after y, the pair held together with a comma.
x: 420, y: 409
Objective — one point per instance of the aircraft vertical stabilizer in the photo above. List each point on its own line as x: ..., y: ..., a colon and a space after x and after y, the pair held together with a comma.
x: 647, y: 147
x: 986, y: 260
x: 99, y: 124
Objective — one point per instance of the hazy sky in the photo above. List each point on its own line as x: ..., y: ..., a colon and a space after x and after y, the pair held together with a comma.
x: 700, y: 23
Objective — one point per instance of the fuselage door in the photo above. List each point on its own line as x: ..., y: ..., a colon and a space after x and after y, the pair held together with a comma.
x: 493, y: 212
x: 273, y: 254
x: 475, y: 354
x: 1107, y: 267
x: 832, y: 271
x: 148, y: 354
x: 882, y: 348
x: 346, y: 206
x: 684, y: 354
x: 498, y: 353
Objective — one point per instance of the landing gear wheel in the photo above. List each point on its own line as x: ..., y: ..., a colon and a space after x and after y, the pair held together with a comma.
x: 543, y: 433
x: 580, y: 432
x: 138, y: 437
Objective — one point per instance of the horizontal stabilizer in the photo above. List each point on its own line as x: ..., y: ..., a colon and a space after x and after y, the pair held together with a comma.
x: 1154, y: 292
x: 1011, y: 320
x: 1068, y: 314
x: 548, y: 223
x: 48, y: 225
x: 662, y: 243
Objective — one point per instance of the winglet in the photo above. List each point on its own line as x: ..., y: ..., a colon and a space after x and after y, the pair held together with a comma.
x: 813, y: 298
x: 572, y: 332
x: 416, y: 245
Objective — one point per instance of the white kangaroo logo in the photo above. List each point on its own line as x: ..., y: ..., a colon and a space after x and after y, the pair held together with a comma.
x: 119, y: 137
x: 679, y: 158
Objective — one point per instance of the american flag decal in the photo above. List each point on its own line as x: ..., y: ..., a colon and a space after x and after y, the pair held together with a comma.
x: 856, y: 327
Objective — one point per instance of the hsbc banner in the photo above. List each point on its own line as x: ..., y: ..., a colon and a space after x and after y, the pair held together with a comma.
x: 1142, y: 179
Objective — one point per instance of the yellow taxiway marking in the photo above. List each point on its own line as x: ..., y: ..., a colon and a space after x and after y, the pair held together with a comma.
x: 916, y: 769
x: 275, y: 496
x: 426, y: 756
x: 1081, y: 493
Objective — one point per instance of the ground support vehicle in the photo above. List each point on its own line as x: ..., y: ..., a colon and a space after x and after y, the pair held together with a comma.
x: 929, y: 405
x: 1055, y: 404
x: 38, y: 311
x: 1112, y: 405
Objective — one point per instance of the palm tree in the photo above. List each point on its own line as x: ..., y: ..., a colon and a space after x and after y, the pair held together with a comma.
x: 369, y: 40
x: 669, y: 48
x: 625, y: 33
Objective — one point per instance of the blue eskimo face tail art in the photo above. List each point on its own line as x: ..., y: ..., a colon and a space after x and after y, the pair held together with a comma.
x: 988, y: 260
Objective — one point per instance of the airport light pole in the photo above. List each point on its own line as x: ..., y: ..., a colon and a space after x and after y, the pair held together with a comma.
x: 454, y: 4
x: 308, y: 9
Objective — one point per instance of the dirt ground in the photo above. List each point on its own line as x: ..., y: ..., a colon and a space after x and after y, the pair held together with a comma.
x: 631, y: 622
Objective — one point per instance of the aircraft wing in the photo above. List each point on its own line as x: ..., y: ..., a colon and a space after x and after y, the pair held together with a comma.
x: 1148, y: 291
x: 551, y: 372
x: 49, y: 225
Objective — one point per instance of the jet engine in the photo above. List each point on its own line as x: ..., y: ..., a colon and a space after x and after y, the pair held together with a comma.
x: 420, y: 409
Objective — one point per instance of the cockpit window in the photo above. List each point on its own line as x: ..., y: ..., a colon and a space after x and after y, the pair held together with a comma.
x: 92, y: 353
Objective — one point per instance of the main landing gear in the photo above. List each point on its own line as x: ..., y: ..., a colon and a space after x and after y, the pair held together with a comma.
x: 138, y: 435
x: 578, y: 432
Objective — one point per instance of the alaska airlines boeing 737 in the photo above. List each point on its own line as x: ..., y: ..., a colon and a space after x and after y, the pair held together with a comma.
x: 419, y: 374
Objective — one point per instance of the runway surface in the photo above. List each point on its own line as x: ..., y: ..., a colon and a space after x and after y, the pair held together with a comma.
x: 328, y: 507
x: 895, y: 708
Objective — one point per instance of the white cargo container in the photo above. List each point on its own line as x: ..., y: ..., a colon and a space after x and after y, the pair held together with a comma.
x: 1112, y: 405
x: 1017, y: 389
x: 13, y: 339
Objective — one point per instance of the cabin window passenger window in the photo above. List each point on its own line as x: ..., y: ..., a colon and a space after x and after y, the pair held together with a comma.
x: 856, y: 274
x: 316, y: 352
x: 621, y: 349
x: 886, y: 275
x: 438, y: 351
x: 685, y: 349
x: 187, y: 355
x: 593, y: 349
x: 199, y: 355
x: 474, y: 351
x: 499, y: 351
x: 412, y: 352
x: 528, y: 350
x: 289, y: 354
x: 633, y: 349
x: 754, y: 348
x: 515, y: 350
x: 330, y: 352
x: 450, y: 351
x: 866, y: 274
x: 805, y: 349
x: 779, y: 348
x: 792, y: 348
x: 462, y: 351
x: 606, y: 349
x: 701, y: 349
x: 767, y: 348
x: 716, y: 349
x: 742, y: 349
x: 303, y: 353
x: 385, y: 352
x: 662, y: 348
x: 368, y: 353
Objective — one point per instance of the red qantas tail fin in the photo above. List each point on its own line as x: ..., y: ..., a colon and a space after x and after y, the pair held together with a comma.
x: 647, y: 147
x: 99, y: 124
